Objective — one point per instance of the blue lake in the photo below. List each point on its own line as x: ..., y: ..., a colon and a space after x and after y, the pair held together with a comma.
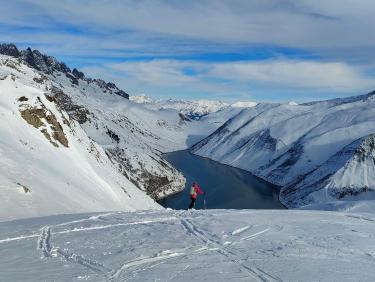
x: 226, y: 187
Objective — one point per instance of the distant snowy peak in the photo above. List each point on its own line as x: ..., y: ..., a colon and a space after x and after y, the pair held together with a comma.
x: 141, y: 99
x: 244, y: 104
x: 51, y: 66
x: 292, y: 103
x: 192, y: 109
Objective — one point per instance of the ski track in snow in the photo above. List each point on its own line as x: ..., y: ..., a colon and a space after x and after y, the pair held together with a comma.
x: 44, y: 241
x: 255, y: 235
x: 254, y: 272
x: 44, y: 244
x: 360, y: 217
x: 222, y: 243
x: 160, y: 257
x: 241, y: 230
x: 81, y: 229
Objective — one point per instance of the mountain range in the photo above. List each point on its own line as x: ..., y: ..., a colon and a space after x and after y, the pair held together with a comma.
x: 70, y: 143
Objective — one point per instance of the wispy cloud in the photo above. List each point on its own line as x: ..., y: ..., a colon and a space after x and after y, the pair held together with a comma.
x: 238, y: 77
x: 258, y: 46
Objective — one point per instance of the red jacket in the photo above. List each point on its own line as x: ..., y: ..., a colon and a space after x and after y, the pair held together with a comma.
x: 194, y: 190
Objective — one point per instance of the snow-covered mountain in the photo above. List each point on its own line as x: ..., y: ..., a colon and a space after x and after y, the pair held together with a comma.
x: 318, y: 152
x: 75, y: 144
x: 192, y: 109
x: 49, y: 164
x: 348, y: 174
x: 212, y: 245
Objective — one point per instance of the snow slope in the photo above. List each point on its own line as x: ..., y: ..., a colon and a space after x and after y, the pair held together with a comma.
x: 49, y: 165
x: 347, y: 175
x: 285, y: 143
x: 215, y: 245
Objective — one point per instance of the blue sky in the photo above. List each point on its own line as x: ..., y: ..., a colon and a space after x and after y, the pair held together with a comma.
x: 263, y: 50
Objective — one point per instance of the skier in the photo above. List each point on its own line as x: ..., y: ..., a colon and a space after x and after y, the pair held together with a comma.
x: 194, y: 191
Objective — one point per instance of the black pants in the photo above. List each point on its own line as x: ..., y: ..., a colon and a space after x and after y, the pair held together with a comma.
x: 192, y: 203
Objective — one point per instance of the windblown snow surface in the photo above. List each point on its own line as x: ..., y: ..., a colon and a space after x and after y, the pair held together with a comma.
x: 215, y: 245
x: 319, y: 152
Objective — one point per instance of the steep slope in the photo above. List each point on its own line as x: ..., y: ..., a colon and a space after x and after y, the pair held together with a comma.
x: 283, y: 143
x: 346, y: 175
x: 48, y: 163
x: 215, y: 245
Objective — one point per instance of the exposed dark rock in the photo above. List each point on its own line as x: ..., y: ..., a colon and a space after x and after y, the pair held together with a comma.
x: 23, y: 99
x: 40, y: 79
x: 25, y: 189
x: 184, y: 118
x: 78, y: 74
x: 76, y: 112
x: 10, y: 50
x: 35, y: 116
x: 72, y: 78
x: 113, y: 135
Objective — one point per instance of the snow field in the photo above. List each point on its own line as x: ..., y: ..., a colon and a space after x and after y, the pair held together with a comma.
x: 215, y: 245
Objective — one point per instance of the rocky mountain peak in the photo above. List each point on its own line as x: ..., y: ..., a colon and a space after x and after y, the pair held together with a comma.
x: 50, y: 65
x: 9, y: 50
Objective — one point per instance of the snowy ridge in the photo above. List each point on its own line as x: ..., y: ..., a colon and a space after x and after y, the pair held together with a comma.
x: 48, y: 65
x: 283, y: 143
x: 215, y: 245
x: 192, y: 109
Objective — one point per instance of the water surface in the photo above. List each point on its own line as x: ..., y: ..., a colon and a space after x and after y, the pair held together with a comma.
x: 226, y: 187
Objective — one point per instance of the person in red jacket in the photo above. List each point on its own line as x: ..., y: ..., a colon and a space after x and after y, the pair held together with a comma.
x: 194, y: 191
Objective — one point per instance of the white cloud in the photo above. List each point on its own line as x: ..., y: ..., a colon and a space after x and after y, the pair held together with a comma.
x: 286, y: 74
x: 277, y: 80
x: 296, y: 74
x: 305, y: 23
x: 158, y: 72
